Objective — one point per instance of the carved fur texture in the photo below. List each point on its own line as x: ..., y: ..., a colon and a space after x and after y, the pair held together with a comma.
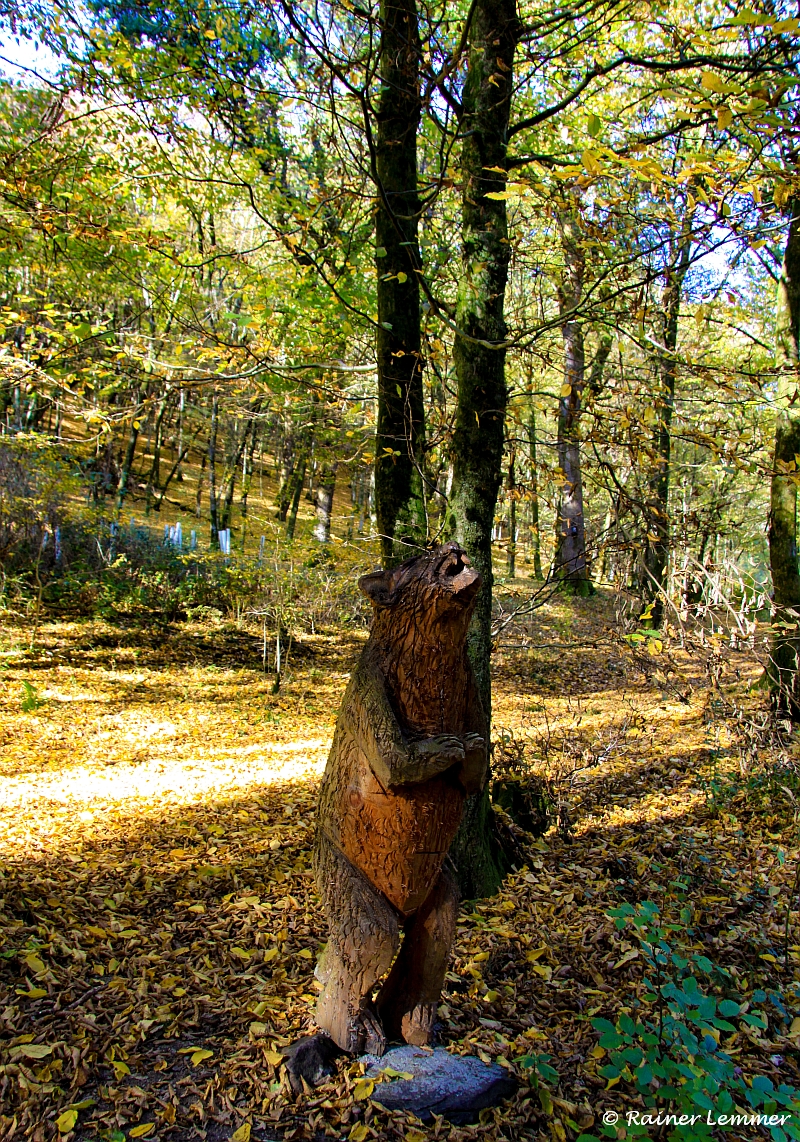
x: 410, y: 743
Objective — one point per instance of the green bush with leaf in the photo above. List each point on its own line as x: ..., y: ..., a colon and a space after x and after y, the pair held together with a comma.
x: 670, y: 1051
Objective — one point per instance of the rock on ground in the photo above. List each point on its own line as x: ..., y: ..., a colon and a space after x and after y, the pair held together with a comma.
x: 456, y: 1086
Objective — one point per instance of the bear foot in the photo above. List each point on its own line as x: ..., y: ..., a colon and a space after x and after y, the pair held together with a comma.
x: 310, y: 1059
x: 417, y: 1025
x: 370, y: 1034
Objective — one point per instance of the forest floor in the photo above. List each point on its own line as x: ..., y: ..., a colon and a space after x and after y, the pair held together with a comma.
x: 158, y: 918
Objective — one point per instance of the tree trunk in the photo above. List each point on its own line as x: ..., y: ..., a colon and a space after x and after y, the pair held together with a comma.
x: 783, y: 670
x: 400, y: 429
x: 130, y: 452
x: 212, y: 471
x: 287, y: 472
x: 569, y: 559
x: 326, y: 486
x: 479, y: 358
x: 247, y: 477
x: 154, y: 478
x: 512, y: 518
x: 534, y: 486
x: 198, y: 501
x: 300, y: 475
x: 657, y: 515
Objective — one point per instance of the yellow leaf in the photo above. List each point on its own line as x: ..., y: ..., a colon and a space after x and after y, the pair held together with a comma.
x: 592, y: 162
x: 274, y: 1058
x: 414, y: 1136
x: 35, y: 964
x: 120, y: 1069
x: 711, y: 82
x: 724, y: 117
x: 241, y: 953
x: 565, y: 390
x: 544, y: 972
x: 35, y: 1050
x: 613, y: 1082
x: 99, y: 932
x: 401, y: 277
x: 140, y: 1130
x: 633, y: 953
x: 270, y: 954
x: 363, y: 1089
x: 242, y: 1134
x: 34, y: 993
x: 66, y: 1121
x: 655, y: 646
x: 491, y: 996
x: 795, y: 1027
x: 200, y: 1055
x: 532, y: 957
x: 786, y: 25
x: 597, y: 1051
x: 358, y: 1133
x: 481, y: 957
x: 257, y: 1029
x: 305, y: 953
x: 197, y: 908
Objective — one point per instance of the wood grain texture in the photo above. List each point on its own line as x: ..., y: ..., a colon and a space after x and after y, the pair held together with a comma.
x: 409, y: 744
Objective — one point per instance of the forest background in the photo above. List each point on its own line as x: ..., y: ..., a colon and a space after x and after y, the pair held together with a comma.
x: 291, y: 291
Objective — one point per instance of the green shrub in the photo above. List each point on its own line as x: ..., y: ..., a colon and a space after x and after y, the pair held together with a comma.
x: 669, y: 1051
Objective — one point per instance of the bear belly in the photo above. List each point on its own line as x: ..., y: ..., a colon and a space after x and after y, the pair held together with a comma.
x: 399, y: 838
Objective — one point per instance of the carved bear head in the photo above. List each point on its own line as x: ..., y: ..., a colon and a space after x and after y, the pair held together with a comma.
x: 439, y: 585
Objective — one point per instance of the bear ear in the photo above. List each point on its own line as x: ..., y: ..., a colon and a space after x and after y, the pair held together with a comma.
x: 378, y: 587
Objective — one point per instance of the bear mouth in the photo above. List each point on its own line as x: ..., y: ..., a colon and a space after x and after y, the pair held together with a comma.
x: 462, y: 579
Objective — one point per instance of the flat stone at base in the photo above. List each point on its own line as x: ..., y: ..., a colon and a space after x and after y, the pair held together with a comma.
x: 456, y: 1086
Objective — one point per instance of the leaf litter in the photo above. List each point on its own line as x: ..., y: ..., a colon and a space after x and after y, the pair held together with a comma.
x: 159, y: 919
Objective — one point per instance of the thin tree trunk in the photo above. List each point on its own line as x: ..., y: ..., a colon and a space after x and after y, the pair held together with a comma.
x: 198, y: 500
x: 657, y: 518
x: 512, y: 518
x: 300, y: 475
x: 212, y: 471
x: 534, y: 486
x: 400, y: 429
x: 127, y: 463
x: 479, y: 358
x: 155, y: 467
x: 785, y: 656
x: 324, y: 503
x: 569, y: 560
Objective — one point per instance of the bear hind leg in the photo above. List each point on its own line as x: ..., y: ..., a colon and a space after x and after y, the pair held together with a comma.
x: 364, y: 935
x: 408, y: 1000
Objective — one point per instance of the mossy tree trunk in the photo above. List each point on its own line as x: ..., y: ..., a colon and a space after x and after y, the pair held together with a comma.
x: 479, y: 357
x: 783, y: 671
x: 400, y: 428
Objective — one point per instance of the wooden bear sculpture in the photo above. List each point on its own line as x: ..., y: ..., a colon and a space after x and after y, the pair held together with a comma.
x: 410, y: 743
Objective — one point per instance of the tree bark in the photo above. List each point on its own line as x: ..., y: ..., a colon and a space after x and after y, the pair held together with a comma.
x: 657, y: 514
x: 783, y: 673
x: 569, y: 560
x: 326, y: 486
x: 212, y: 471
x: 130, y: 453
x: 479, y: 358
x: 512, y: 518
x: 400, y: 428
x: 534, y: 492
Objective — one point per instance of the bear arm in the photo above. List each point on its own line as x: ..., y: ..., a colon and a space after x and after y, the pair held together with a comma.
x: 392, y: 759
